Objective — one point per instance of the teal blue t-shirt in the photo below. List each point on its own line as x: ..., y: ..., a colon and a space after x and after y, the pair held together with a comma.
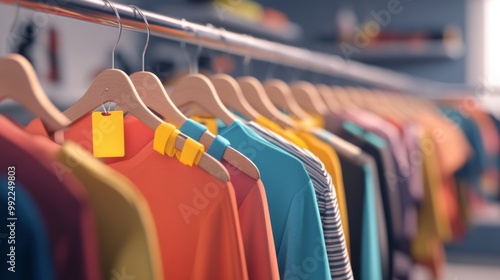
x: 477, y: 163
x: 293, y: 208
x: 33, y: 257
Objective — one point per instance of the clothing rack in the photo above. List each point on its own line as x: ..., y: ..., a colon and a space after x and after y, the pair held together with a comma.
x: 98, y: 11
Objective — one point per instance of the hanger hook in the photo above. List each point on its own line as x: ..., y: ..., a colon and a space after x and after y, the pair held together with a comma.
x: 139, y: 11
x: 119, y: 32
x: 193, y: 64
x: 292, y: 73
x: 222, y: 33
x: 248, y: 58
x: 11, y: 31
x: 270, y: 71
x: 183, y: 46
x: 198, y: 51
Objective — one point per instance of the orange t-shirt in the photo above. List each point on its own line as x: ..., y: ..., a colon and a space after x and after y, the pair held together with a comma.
x: 255, y: 224
x: 195, y: 214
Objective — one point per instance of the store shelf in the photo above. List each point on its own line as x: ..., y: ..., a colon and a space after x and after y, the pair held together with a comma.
x: 397, y: 51
x: 220, y: 17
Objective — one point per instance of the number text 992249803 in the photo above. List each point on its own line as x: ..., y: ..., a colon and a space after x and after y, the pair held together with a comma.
x: 11, y: 218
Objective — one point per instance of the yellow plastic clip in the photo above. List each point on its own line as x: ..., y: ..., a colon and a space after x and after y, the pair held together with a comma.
x: 191, y: 152
x: 163, y: 134
x: 170, y: 147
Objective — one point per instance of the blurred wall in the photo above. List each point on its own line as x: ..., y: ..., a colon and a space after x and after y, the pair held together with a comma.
x: 318, y: 17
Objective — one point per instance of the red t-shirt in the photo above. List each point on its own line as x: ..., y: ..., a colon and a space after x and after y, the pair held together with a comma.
x: 61, y: 199
x: 195, y: 214
x: 255, y: 225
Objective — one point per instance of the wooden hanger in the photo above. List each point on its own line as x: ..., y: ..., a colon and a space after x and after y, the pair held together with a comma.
x: 328, y: 97
x: 369, y: 101
x: 197, y: 90
x: 254, y: 92
x: 230, y: 93
x: 308, y: 97
x: 115, y: 86
x: 374, y: 104
x: 281, y: 95
x: 154, y: 96
x: 150, y: 88
x: 342, y: 96
x: 356, y: 96
x: 18, y: 81
x: 393, y: 106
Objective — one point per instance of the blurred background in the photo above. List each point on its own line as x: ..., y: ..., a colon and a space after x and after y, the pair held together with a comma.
x: 453, y: 41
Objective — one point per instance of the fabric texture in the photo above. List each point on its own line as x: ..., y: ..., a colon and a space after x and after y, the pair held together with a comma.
x: 33, y: 255
x: 330, y: 159
x: 195, y: 214
x: 367, y: 222
x: 433, y: 226
x: 295, y: 220
x: 402, y: 172
x: 388, y: 203
x: 66, y: 213
x: 128, y: 244
x: 340, y: 266
x: 255, y: 224
x: 253, y: 212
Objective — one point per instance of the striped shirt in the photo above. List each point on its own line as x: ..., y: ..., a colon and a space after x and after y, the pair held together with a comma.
x: 340, y: 266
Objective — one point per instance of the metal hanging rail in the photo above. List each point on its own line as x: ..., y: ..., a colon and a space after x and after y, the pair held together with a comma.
x: 98, y: 11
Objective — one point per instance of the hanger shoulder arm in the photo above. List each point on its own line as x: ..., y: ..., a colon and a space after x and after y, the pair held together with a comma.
x: 231, y: 95
x: 115, y: 86
x: 241, y: 162
x: 234, y: 157
x: 197, y: 89
x: 207, y: 162
x: 255, y: 93
x: 281, y: 95
x: 18, y: 81
x: 154, y: 96
x: 308, y: 97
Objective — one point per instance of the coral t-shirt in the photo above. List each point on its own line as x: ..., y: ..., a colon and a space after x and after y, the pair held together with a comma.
x: 195, y: 214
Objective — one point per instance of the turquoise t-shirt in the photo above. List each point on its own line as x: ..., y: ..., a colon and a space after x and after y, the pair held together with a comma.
x: 477, y: 162
x: 370, y: 260
x: 33, y: 257
x: 293, y: 208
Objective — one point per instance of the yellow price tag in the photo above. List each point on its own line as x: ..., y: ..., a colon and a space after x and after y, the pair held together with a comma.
x: 108, y: 137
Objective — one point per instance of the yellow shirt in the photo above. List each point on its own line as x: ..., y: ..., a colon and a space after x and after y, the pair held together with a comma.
x: 433, y: 226
x: 128, y: 244
x: 285, y: 133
